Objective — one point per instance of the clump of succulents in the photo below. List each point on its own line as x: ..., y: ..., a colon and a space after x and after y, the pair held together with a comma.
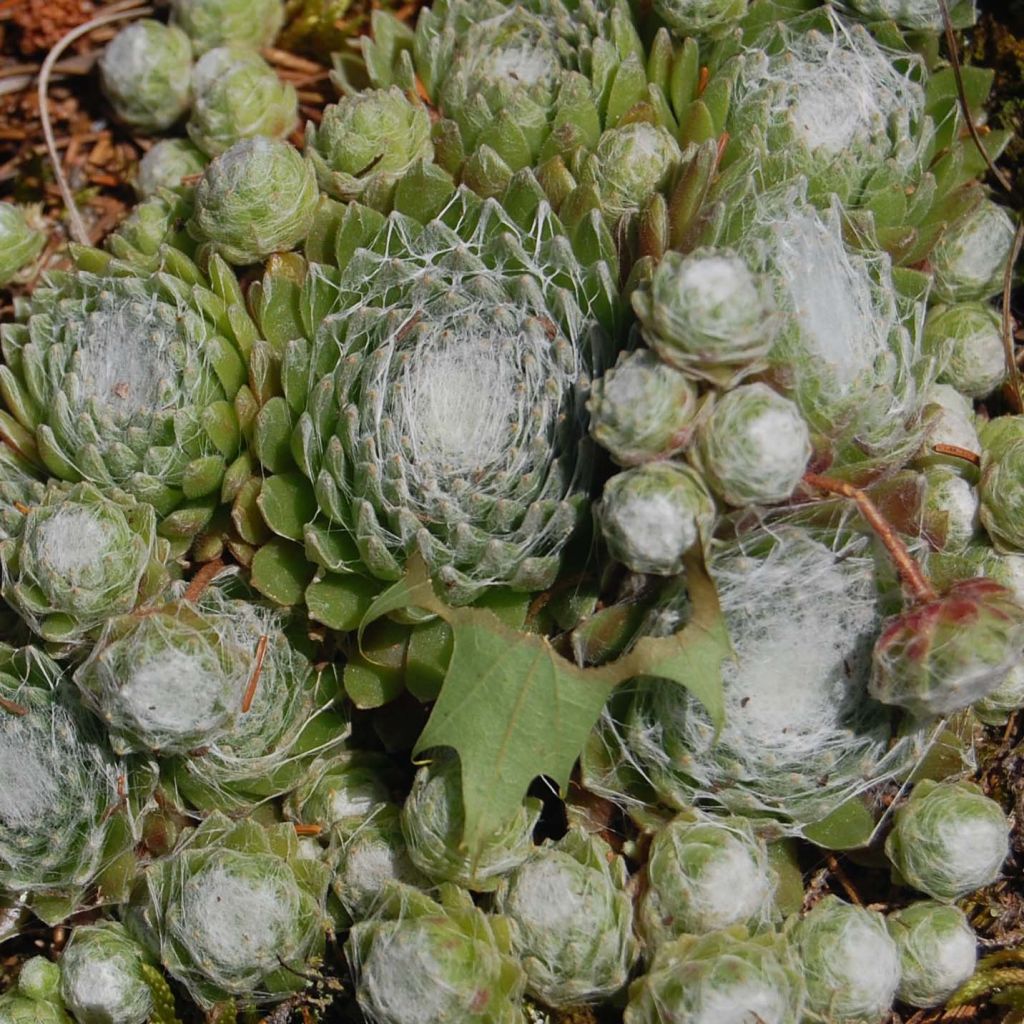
x: 21, y: 240
x: 948, y: 839
x: 704, y: 875
x: 938, y: 951
x: 147, y: 75
x: 35, y: 999
x: 851, y: 966
x: 419, y: 960
x: 572, y: 920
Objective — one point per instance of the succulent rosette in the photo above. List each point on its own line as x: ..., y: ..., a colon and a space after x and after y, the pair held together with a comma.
x: 707, y: 313
x: 942, y: 655
x: 967, y: 338
x: 938, y: 951
x: 969, y: 260
x: 35, y: 999
x: 701, y: 17
x: 124, y: 372
x: 433, y: 819
x: 572, y: 920
x: 725, y: 975
x: 642, y: 409
x: 801, y: 736
x: 823, y: 99
x: 703, y: 875
x: 81, y: 557
x: 166, y: 164
x: 948, y: 839
x: 341, y: 792
x: 61, y: 786
x: 21, y: 240
x: 236, y: 911
x: 435, y: 405
x: 101, y: 976
x: 365, y: 143
x: 238, y: 96
x: 917, y: 15
x: 211, y: 23
x: 851, y: 966
x: 146, y: 72
x: 287, y: 720
x: 754, y: 446
x: 1001, y: 487
x: 651, y: 516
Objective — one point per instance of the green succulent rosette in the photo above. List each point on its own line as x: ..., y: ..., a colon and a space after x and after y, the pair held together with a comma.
x: 969, y: 259
x: 238, y: 96
x: 243, y: 23
x: 288, y: 719
x: 340, y: 793
x: 642, y: 409
x: 948, y: 839
x: 432, y: 403
x: 968, y: 340
x: 22, y: 238
x: 419, y: 959
x: 236, y: 911
x: 708, y: 314
x: 572, y: 920
x: 365, y: 143
x: 166, y: 164
x: 61, y: 788
x: 704, y: 875
x: 81, y: 557
x: 171, y: 681
x: 948, y: 419
x: 938, y: 951
x: 101, y: 976
x: 802, y: 740
x: 126, y: 373
x: 146, y: 71
x: 700, y: 17
x: 949, y: 508
x: 725, y: 975
x: 941, y: 655
x: 851, y: 966
x: 651, y: 516
x: 753, y: 447
x: 370, y: 857
x: 916, y: 15
x: 849, y: 352
x: 433, y: 819
x: 35, y: 999
x: 1001, y: 486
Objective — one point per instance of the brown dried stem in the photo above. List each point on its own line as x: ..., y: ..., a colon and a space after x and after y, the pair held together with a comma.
x: 202, y: 580
x: 911, y: 573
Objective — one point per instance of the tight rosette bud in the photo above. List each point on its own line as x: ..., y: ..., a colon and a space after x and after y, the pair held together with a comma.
x: 653, y: 515
x: 166, y: 164
x: 1004, y: 700
x: 432, y: 823
x: 630, y: 164
x: 101, y: 977
x: 573, y: 920
x: 255, y: 199
x: 237, y: 911
x: 944, y: 654
x: 341, y: 793
x: 938, y: 951
x: 642, y: 409
x: 370, y: 858
x: 968, y: 340
x: 948, y: 419
x: 707, y: 313
x: 754, y: 447
x: 419, y: 960
x: 850, y: 964
x: 700, y: 17
x: 948, y: 839
x: 59, y: 787
x: 238, y: 96
x: 366, y: 142
x: 949, y: 512
x: 1001, y: 487
x: 35, y: 999
x: 169, y: 681
x: 969, y: 260
x: 723, y: 976
x: 703, y: 876
x: 210, y: 23
x: 146, y: 72
x: 80, y: 558
x: 22, y: 238
x: 917, y: 15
